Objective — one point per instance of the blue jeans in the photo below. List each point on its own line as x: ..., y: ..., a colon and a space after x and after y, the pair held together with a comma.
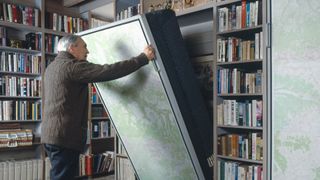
x: 64, y: 162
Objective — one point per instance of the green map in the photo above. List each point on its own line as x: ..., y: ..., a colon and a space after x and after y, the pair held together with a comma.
x: 139, y: 107
x: 295, y: 90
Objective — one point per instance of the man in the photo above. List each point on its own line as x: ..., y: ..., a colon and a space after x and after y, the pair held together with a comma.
x: 66, y: 79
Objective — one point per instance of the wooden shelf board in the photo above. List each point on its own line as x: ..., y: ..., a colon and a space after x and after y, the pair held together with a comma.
x: 239, y: 159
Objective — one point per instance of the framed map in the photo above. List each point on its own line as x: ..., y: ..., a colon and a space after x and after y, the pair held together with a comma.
x: 154, y: 135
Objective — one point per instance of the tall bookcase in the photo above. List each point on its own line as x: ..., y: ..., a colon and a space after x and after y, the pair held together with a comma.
x: 30, y: 30
x: 21, y: 96
x: 99, y: 158
x: 240, y: 121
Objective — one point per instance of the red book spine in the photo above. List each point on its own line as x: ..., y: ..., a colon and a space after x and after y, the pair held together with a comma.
x: 243, y: 14
x: 88, y: 161
x: 14, y: 13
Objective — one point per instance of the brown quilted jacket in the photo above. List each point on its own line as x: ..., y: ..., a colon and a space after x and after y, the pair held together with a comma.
x: 65, y: 98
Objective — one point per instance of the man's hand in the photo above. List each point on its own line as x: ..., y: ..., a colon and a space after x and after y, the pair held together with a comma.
x: 149, y: 52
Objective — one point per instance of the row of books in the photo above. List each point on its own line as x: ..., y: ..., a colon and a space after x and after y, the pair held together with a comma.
x: 236, y: 49
x: 20, y: 110
x: 51, y: 43
x: 129, y: 12
x: 228, y: 170
x: 247, y: 14
x: 101, y: 129
x: 247, y: 146
x: 16, y: 170
x: 94, y: 164
x: 20, y: 62
x: 235, y: 81
x: 94, y: 96
x: 237, y: 113
x: 68, y: 24
x: 32, y: 40
x: 20, y: 86
x: 20, y: 14
x: 94, y: 22
x: 124, y: 169
x: 15, y: 137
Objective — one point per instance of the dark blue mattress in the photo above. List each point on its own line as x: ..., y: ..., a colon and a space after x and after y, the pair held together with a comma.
x: 167, y: 36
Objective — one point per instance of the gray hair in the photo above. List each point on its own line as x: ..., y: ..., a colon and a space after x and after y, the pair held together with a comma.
x: 66, y: 41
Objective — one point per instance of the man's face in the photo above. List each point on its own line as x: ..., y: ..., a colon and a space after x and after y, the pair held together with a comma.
x: 79, y: 49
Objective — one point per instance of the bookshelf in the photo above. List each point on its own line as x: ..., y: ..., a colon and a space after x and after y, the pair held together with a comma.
x: 30, y: 30
x: 123, y: 167
x: 20, y: 83
x: 240, y: 126
x: 99, y: 159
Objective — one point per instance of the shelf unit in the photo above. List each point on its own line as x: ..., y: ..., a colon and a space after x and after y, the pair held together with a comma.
x: 123, y: 167
x: 240, y: 121
x: 17, y: 31
x: 17, y: 100
x: 100, y: 140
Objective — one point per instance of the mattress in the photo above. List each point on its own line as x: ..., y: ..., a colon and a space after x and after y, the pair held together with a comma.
x: 157, y: 111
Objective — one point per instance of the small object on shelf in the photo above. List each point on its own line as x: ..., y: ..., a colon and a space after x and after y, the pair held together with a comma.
x: 15, y: 43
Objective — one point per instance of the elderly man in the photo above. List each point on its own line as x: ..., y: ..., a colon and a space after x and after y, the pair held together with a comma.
x: 66, y: 81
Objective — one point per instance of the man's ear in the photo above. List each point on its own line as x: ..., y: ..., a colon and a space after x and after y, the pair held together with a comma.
x: 70, y: 49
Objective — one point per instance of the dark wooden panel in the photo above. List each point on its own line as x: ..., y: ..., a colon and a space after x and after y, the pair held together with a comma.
x: 101, y: 145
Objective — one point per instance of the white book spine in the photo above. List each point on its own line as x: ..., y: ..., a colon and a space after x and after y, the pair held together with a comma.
x: 47, y: 168
x: 17, y: 171
x: 29, y: 170
x: 11, y: 170
x: 254, y: 113
x: 261, y: 45
x: 1, y: 108
x: 23, y: 170
x: 9, y: 13
x: 1, y: 170
x: 54, y: 21
x: 257, y: 46
x: 6, y: 171
x: 40, y: 169
x: 34, y: 169
x: 256, y: 13
x: 254, y: 146
x: 36, y: 15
